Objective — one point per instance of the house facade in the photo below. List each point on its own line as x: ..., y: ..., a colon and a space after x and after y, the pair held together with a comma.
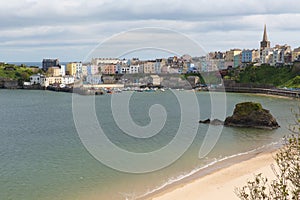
x: 54, y: 71
x: 296, y: 54
x: 74, y: 69
x: 149, y: 67
x: 46, y: 63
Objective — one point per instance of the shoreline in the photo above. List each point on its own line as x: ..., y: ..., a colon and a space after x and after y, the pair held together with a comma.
x: 281, y: 94
x: 273, y: 96
x: 218, y: 175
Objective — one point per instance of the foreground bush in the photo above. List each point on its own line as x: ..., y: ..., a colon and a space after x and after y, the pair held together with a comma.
x: 286, y: 186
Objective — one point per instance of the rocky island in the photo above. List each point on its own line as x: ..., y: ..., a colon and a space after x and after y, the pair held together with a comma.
x: 248, y: 114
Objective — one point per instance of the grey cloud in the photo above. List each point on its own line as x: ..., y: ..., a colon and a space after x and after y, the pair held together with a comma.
x: 70, y: 24
x: 49, y: 12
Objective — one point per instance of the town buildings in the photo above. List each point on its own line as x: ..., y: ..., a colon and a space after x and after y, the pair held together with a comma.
x: 108, y: 68
x: 250, y: 56
x: 99, y: 70
x: 232, y: 58
x: 46, y: 63
x: 296, y: 55
x: 74, y: 69
x: 54, y: 71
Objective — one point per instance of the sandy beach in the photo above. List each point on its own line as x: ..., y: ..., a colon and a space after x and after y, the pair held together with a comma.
x: 221, y: 184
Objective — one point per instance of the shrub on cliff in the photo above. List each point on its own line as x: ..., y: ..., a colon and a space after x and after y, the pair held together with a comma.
x: 286, y: 186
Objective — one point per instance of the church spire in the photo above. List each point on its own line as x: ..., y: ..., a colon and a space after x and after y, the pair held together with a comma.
x: 265, y: 43
x: 265, y: 37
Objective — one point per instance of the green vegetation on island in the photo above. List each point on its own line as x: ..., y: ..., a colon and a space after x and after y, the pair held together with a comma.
x: 247, y: 114
x: 246, y: 108
x: 251, y: 114
x: 20, y: 73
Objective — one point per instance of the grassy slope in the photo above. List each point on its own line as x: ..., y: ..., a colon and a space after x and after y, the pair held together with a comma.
x: 293, y: 83
x: 19, y: 73
x: 277, y: 76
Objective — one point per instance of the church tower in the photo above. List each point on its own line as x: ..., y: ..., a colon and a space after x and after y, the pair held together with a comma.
x: 265, y: 43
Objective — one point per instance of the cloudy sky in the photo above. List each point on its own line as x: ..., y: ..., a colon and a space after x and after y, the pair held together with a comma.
x: 31, y: 30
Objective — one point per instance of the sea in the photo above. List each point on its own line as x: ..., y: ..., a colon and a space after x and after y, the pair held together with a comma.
x: 42, y: 156
x: 33, y: 63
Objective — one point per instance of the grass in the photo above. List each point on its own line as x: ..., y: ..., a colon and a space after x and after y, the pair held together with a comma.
x: 267, y: 75
x: 14, y: 72
x: 246, y: 108
x: 293, y: 83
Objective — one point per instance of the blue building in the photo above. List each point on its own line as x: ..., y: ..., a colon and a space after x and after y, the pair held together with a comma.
x: 94, y: 79
x: 247, y: 56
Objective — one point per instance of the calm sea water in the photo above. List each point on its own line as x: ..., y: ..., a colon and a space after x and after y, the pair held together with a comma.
x: 42, y: 156
x: 38, y: 64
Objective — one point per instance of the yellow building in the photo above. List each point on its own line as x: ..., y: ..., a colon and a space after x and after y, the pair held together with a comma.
x: 54, y: 71
x: 71, y: 69
x: 54, y: 80
x: 74, y: 69
x: 296, y: 54
x: 229, y: 57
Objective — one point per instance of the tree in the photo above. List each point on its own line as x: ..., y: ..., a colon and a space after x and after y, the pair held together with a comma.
x: 286, y: 186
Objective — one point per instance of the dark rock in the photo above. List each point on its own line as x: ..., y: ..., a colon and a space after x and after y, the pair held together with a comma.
x: 215, y: 122
x: 207, y: 121
x: 249, y: 114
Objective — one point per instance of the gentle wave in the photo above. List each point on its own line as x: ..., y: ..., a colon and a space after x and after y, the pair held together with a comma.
x: 194, y: 171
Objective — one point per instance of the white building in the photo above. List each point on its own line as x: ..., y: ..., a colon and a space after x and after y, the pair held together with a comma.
x: 98, y: 61
x: 35, y: 79
x: 68, y: 80
x: 78, y: 69
x: 63, y: 70
x: 265, y: 55
x: 278, y: 57
x: 134, y: 69
x: 84, y: 70
x: 39, y: 79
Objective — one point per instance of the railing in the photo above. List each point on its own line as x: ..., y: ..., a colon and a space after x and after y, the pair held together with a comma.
x: 279, y: 92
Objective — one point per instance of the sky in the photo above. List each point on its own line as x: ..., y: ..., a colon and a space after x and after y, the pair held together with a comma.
x: 31, y: 30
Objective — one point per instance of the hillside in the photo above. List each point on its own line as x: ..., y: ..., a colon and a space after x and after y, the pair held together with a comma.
x: 14, y: 72
x: 285, y: 76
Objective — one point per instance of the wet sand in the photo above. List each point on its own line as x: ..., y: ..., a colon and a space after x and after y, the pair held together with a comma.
x: 221, y: 183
